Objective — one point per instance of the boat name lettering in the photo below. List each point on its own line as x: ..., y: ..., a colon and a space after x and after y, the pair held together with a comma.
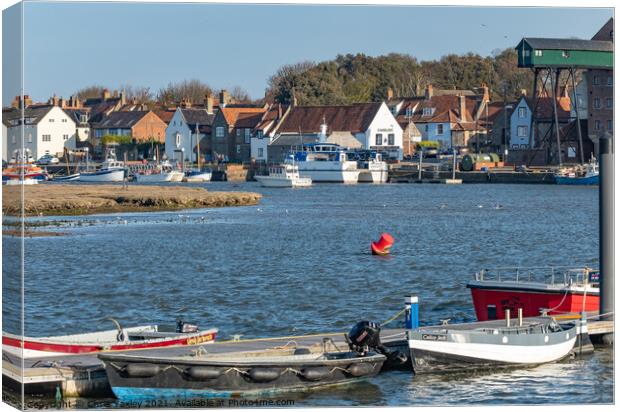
x: 434, y: 337
x: 199, y: 339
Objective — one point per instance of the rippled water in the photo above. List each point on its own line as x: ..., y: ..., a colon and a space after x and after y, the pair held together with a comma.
x: 299, y: 262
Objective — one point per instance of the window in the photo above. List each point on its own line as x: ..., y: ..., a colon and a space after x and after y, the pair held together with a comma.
x: 259, y: 134
x: 610, y: 81
x: 178, y: 139
x: 439, y: 129
x: 64, y: 120
x: 30, y: 138
x: 538, y: 53
x: 13, y: 139
x: 565, y: 54
x: 391, y: 139
x: 51, y: 120
x: 610, y: 125
x: 426, y: 128
x: 174, y: 122
x: 522, y: 131
x: 427, y: 111
x: 65, y: 137
x: 597, y: 125
x: 609, y: 103
x: 597, y: 103
x: 596, y: 80
x: 238, y: 132
x: 248, y: 133
x: 45, y: 138
x: 526, y: 53
x: 378, y: 139
x: 238, y: 149
x: 408, y: 112
x: 522, y: 112
x: 260, y: 152
x: 219, y: 131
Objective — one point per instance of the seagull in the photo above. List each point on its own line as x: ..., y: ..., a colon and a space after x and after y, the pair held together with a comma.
x: 443, y: 206
x: 259, y: 209
x: 480, y: 206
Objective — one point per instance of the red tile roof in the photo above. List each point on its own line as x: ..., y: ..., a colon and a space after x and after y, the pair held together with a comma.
x: 232, y: 113
x: 354, y: 118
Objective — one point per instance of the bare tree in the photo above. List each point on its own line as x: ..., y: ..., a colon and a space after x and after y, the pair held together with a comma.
x: 89, y: 92
x: 194, y: 90
x: 240, y: 95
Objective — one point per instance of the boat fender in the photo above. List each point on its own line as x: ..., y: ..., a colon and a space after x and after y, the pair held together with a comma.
x: 360, y: 369
x: 141, y: 370
x: 203, y: 372
x: 264, y: 374
x: 315, y: 374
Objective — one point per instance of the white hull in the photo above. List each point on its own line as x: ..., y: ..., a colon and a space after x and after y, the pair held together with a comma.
x: 107, y: 176
x: 373, y: 176
x: 330, y: 171
x: 269, y: 181
x: 202, y: 177
x: 173, y: 176
x: 509, y: 354
x: 16, y: 182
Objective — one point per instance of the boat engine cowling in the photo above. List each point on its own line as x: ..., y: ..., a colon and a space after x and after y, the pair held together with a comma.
x: 364, y: 336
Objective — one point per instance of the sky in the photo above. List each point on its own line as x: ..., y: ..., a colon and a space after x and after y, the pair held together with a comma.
x: 71, y: 45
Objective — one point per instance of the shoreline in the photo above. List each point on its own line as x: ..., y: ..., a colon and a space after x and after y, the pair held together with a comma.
x: 77, y: 200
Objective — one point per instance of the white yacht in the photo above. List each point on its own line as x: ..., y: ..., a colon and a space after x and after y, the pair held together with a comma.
x: 373, y: 170
x: 286, y: 175
x: 111, y: 170
x: 326, y: 162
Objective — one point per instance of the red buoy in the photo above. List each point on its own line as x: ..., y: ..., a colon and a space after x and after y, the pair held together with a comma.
x: 383, y: 245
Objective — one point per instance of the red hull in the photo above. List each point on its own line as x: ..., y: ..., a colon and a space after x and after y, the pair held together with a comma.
x: 492, y: 303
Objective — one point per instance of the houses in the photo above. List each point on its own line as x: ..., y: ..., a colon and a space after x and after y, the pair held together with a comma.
x: 601, y: 90
x: 141, y: 126
x: 186, y: 128
x: 450, y: 117
x: 232, y: 130
x: 264, y: 131
x: 45, y: 129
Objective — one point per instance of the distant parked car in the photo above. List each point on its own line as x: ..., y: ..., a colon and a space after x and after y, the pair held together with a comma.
x: 48, y: 159
x: 14, y: 160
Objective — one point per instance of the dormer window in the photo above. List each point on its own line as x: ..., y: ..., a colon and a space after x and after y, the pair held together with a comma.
x: 408, y: 112
x: 427, y: 111
x: 259, y: 134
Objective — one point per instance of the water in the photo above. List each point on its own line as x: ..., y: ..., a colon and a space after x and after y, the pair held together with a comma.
x: 300, y: 263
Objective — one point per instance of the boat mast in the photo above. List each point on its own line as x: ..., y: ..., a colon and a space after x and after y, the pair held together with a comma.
x: 197, y: 147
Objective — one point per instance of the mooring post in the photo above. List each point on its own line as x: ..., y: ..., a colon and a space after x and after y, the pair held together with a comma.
x: 606, y: 227
x: 412, y: 320
x: 507, y: 316
x: 520, y: 316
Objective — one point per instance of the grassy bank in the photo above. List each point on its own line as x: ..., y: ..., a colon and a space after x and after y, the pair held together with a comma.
x: 75, y: 199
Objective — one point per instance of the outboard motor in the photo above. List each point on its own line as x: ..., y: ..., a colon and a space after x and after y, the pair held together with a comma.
x: 365, y: 336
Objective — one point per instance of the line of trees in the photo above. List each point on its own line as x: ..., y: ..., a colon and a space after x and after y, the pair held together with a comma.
x: 353, y: 78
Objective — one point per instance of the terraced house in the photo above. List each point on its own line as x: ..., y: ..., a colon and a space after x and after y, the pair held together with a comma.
x: 232, y: 131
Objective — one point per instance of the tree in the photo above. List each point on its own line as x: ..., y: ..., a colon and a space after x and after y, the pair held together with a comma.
x: 194, y: 90
x: 240, y: 95
x: 89, y: 92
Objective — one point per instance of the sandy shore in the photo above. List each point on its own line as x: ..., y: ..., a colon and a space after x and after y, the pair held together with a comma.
x: 75, y: 199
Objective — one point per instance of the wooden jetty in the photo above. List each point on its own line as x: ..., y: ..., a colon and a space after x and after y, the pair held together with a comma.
x: 84, y: 376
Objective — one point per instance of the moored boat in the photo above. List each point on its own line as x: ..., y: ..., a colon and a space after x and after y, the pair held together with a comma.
x: 583, y: 176
x: 110, y: 171
x: 326, y: 163
x: 534, y: 290
x: 198, y: 175
x: 120, y: 339
x: 286, y: 175
x: 373, y: 170
x: 492, y: 344
x: 161, y: 174
x: 23, y: 172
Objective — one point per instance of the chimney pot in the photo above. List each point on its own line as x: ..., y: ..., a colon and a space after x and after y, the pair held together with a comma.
x: 429, y: 92
x: 462, y: 108
x: 390, y: 93
x: 105, y: 94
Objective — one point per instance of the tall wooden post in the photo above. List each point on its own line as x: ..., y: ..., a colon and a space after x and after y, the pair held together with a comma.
x: 572, y: 75
x: 554, y: 84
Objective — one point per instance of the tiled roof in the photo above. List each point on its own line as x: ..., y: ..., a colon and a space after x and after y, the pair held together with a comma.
x: 354, y: 118
x: 120, y: 120
x: 76, y: 114
x: 446, y: 109
x: 248, y: 120
x: 605, y: 32
x: 544, y: 108
x: 165, y: 115
x: 198, y: 116
x: 34, y: 113
x: 231, y: 113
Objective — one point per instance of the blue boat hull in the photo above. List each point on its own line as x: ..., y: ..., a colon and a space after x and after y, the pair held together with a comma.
x: 580, y: 181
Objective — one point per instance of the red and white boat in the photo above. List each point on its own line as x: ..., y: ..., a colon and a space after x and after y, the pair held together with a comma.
x: 535, y: 290
x: 120, y: 339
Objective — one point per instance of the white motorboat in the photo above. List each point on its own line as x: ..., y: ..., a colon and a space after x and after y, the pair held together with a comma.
x: 326, y: 162
x: 373, y: 170
x: 198, y: 175
x: 160, y: 174
x: 491, y: 344
x: 286, y: 175
x: 110, y: 171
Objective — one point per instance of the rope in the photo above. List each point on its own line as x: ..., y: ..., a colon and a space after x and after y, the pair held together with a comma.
x: 400, y: 312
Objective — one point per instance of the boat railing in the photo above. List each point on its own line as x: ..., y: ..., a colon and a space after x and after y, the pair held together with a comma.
x: 550, y: 275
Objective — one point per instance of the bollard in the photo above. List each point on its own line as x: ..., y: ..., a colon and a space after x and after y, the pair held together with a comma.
x: 520, y: 316
x: 507, y: 316
x: 411, y: 312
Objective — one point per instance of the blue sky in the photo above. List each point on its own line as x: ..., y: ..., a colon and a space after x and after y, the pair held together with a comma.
x: 72, y: 45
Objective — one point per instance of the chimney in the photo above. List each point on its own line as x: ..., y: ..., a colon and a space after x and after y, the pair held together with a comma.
x: 74, y: 102
x: 429, y: 92
x: 27, y: 100
x: 224, y: 98
x: 279, y: 111
x: 134, y: 100
x: 390, y: 93
x: 55, y: 100
x: 17, y: 101
x: 209, y: 102
x: 63, y: 103
x: 462, y: 108
x: 115, y: 94
x: 105, y: 94
x: 485, y: 93
x: 523, y: 92
x: 123, y: 97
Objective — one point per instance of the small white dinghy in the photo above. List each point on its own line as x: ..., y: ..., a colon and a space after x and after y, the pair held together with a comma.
x: 490, y: 344
x: 286, y: 175
x: 137, y: 337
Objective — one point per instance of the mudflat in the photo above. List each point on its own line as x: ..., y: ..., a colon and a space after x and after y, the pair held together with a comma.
x: 77, y: 199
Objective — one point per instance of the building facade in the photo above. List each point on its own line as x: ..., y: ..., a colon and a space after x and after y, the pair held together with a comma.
x: 188, y: 128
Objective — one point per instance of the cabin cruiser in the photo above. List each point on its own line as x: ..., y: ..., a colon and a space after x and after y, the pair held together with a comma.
x: 164, y: 172
x: 111, y: 170
x: 326, y: 162
x: 286, y: 175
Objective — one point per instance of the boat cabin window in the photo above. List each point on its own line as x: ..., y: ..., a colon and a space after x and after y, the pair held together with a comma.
x: 491, y: 312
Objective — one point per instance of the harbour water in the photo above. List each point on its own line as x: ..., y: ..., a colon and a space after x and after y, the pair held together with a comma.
x: 300, y: 262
